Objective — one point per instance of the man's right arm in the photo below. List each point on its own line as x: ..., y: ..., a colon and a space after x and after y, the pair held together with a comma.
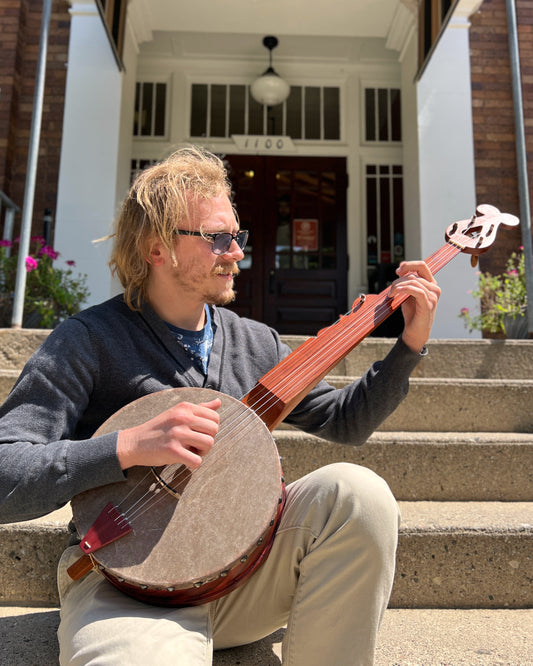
x: 42, y: 465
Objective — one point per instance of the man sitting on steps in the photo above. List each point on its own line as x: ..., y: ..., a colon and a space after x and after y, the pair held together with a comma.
x: 330, y: 571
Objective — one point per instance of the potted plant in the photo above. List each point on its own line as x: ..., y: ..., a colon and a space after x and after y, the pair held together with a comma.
x: 502, y: 299
x: 52, y: 293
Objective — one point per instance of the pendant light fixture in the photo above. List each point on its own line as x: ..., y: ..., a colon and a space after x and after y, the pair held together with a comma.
x: 270, y: 88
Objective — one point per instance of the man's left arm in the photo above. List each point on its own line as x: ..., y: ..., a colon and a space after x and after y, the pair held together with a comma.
x: 353, y: 413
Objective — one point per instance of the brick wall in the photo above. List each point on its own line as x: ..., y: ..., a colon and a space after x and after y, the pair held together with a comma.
x: 20, y: 28
x: 493, y: 115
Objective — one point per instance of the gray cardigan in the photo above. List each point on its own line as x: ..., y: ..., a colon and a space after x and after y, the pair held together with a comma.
x: 103, y: 358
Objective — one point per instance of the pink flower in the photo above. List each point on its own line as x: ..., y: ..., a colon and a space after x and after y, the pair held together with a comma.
x: 464, y: 311
x: 49, y: 251
x: 5, y: 243
x: 70, y: 262
x: 31, y: 264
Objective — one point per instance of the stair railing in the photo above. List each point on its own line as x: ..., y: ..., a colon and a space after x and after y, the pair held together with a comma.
x: 11, y: 209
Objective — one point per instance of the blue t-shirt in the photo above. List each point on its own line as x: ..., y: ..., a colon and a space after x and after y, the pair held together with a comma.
x: 197, y: 344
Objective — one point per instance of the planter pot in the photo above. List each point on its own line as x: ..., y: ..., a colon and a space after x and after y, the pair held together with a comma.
x: 516, y: 329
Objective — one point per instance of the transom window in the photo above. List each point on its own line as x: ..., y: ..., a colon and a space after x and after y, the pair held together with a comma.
x: 310, y: 112
x: 383, y: 117
x: 150, y: 109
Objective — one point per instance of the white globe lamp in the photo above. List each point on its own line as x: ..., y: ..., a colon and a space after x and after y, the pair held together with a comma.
x: 270, y: 89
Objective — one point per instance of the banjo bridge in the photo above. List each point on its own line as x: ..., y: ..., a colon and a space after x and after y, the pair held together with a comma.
x: 172, y: 478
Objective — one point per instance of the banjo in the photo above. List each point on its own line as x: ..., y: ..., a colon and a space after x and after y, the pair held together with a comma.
x: 173, y: 536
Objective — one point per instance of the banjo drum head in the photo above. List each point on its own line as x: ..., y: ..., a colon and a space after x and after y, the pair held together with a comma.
x: 223, y: 508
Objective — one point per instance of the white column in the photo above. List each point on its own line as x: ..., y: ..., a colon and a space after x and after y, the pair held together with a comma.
x: 89, y: 151
x: 446, y: 167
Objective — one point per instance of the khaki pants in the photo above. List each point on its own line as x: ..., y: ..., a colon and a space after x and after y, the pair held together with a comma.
x: 328, y: 578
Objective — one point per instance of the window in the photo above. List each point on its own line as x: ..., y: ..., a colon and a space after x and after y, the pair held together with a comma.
x: 383, y: 115
x: 384, y: 220
x: 150, y: 109
x: 433, y: 16
x: 136, y: 166
x: 113, y: 13
x: 310, y: 112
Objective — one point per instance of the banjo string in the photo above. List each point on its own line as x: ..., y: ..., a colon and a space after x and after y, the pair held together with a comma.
x: 150, y: 499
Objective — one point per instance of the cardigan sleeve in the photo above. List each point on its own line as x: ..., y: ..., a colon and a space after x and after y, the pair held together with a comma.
x: 349, y: 415
x: 42, y: 462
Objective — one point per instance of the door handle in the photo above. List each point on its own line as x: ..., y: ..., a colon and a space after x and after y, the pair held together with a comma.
x: 272, y: 281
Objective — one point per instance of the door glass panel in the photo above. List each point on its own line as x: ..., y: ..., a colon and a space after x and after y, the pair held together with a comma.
x: 284, y: 220
x: 328, y: 213
x: 243, y: 181
x: 306, y: 220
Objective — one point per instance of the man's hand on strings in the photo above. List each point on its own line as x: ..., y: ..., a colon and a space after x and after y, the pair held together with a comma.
x: 415, y: 280
x: 182, y: 434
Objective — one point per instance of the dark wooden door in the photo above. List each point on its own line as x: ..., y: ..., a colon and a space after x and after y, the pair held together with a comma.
x: 294, y: 275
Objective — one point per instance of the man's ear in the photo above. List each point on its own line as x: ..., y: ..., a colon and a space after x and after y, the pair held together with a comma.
x: 156, y: 254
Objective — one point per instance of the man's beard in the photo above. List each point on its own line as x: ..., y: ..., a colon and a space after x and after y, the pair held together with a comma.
x: 189, y: 279
x: 229, y: 295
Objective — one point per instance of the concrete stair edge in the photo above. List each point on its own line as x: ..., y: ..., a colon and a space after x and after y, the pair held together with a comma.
x: 450, y: 555
x: 425, y: 465
x: 460, y: 357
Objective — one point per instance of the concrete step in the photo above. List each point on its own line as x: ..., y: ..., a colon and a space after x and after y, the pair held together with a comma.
x: 450, y: 555
x: 16, y: 346
x: 461, y: 405
x: 441, y: 466
x: 413, y: 637
x: 434, y: 404
x: 476, y: 359
x: 453, y: 395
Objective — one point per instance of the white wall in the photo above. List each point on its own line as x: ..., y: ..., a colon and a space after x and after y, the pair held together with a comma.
x: 446, y: 167
x: 411, y: 172
x: 87, y: 189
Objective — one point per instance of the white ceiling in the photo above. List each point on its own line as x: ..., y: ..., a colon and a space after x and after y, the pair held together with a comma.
x: 365, y: 18
x: 235, y: 28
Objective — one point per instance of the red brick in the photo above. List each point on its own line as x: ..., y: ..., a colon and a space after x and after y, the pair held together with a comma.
x: 20, y: 27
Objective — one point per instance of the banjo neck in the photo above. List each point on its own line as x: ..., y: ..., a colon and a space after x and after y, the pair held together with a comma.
x: 280, y: 390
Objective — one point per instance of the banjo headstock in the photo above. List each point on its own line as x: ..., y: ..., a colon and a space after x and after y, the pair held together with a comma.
x: 476, y: 235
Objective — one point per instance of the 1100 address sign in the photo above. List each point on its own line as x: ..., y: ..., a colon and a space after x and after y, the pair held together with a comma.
x: 257, y: 143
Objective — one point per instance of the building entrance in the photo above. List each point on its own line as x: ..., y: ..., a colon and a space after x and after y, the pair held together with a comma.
x: 294, y: 275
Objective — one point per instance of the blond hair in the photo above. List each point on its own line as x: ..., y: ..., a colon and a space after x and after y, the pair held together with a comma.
x: 161, y: 198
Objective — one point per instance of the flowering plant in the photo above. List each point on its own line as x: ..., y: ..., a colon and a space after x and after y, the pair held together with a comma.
x: 502, y: 298
x: 52, y: 293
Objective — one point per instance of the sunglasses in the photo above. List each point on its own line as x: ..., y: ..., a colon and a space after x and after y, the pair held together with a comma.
x: 221, y: 241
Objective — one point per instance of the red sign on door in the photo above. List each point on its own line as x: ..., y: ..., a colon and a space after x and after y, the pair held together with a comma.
x: 305, y: 235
